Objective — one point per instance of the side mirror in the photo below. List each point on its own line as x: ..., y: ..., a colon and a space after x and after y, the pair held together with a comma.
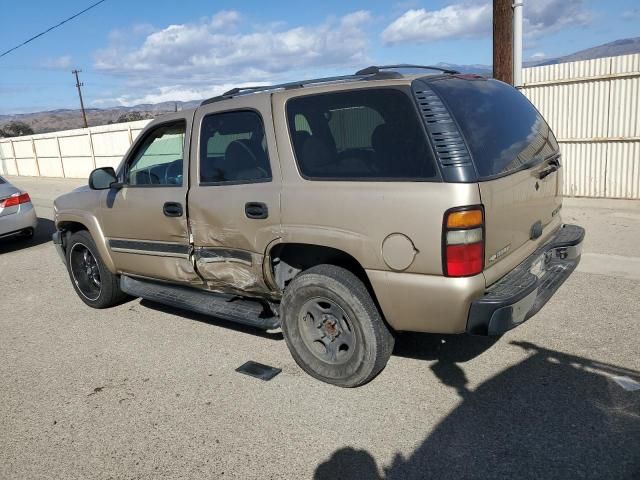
x: 102, y: 178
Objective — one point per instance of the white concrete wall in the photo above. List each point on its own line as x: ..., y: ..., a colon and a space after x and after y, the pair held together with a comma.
x: 69, y: 153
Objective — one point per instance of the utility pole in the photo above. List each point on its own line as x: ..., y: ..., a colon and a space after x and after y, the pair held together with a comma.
x: 78, y: 84
x: 503, y: 40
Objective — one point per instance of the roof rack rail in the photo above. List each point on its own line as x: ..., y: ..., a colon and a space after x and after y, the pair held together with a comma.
x: 234, y: 92
x: 282, y: 86
x: 374, y: 69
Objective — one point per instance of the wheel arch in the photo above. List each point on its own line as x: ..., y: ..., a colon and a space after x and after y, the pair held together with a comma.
x: 288, y: 259
x: 71, y: 222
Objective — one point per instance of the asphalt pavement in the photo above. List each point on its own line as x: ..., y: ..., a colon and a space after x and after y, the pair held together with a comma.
x: 145, y: 391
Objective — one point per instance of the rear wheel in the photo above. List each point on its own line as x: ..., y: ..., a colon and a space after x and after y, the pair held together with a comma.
x: 93, y: 282
x: 333, y: 328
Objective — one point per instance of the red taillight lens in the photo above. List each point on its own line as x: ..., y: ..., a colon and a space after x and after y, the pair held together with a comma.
x: 15, y: 199
x: 464, y: 260
x: 463, y: 242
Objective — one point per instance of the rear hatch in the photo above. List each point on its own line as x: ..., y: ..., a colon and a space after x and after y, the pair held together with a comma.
x: 517, y: 166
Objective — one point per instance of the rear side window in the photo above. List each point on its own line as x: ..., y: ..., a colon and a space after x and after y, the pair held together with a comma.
x: 503, y: 130
x: 371, y: 134
x: 2, y: 180
x: 233, y: 149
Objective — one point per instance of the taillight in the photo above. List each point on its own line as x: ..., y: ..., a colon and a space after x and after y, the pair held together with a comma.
x: 15, y: 199
x: 463, y: 241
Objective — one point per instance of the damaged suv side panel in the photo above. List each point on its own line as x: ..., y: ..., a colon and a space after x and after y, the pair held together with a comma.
x: 341, y: 209
x: 234, y: 200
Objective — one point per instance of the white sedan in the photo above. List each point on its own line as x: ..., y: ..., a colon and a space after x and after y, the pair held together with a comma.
x: 17, y: 214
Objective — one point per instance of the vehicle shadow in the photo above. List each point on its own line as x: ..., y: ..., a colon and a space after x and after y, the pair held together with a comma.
x: 446, y: 350
x: 553, y: 415
x: 211, y: 320
x: 43, y: 233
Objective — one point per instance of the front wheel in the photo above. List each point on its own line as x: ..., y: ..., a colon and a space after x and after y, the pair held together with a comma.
x: 93, y: 282
x: 333, y: 328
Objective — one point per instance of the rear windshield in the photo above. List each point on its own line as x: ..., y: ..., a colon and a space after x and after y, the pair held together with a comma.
x: 370, y: 134
x: 503, y: 129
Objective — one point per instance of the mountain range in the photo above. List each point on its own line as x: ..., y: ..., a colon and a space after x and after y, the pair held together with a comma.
x: 625, y: 46
x: 65, y: 119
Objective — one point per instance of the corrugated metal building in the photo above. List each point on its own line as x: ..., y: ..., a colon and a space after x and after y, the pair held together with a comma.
x: 593, y: 107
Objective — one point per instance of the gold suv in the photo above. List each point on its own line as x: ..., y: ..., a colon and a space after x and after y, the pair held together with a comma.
x: 340, y: 209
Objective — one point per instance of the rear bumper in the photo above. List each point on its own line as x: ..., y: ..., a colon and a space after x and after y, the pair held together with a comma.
x: 16, y: 223
x: 523, y: 292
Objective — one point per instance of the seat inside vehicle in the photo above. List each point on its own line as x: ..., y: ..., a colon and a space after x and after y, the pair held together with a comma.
x: 235, y: 149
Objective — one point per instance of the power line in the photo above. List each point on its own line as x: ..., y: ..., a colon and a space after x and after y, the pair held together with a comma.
x: 51, y: 28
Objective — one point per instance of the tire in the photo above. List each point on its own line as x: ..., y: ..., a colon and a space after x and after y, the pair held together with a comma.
x: 98, y: 289
x: 333, y: 328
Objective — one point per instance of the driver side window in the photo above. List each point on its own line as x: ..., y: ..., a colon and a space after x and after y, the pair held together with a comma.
x: 158, y: 161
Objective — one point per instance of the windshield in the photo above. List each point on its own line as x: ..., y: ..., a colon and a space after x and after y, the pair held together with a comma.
x: 503, y: 130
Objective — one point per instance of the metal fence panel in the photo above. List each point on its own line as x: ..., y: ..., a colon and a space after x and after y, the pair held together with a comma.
x: 592, y: 106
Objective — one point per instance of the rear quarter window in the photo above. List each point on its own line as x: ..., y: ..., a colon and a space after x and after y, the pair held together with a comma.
x: 503, y: 130
x: 369, y: 134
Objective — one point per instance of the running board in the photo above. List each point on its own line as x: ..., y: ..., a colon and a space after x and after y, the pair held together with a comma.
x: 228, y: 307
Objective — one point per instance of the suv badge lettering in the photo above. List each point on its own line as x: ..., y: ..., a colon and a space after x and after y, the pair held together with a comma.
x: 503, y: 251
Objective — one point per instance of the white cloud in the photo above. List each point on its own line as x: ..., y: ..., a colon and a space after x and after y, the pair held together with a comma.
x: 543, y: 17
x: 171, y: 93
x: 538, y: 56
x: 633, y: 14
x: 59, y: 63
x: 203, y: 59
x: 458, y: 20
x: 474, y: 19
x: 225, y: 19
x: 218, y: 51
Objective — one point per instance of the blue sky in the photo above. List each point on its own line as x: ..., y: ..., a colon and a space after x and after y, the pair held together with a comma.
x: 149, y: 51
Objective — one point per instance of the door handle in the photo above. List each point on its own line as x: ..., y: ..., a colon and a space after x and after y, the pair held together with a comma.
x: 172, y: 209
x: 256, y: 210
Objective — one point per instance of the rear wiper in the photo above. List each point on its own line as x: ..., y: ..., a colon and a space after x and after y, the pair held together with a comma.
x: 548, y: 171
x: 554, y: 164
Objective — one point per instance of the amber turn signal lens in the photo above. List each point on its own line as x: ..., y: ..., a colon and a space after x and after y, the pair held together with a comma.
x: 465, y: 219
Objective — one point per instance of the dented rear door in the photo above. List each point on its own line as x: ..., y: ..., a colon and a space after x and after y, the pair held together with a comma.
x: 234, y: 199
